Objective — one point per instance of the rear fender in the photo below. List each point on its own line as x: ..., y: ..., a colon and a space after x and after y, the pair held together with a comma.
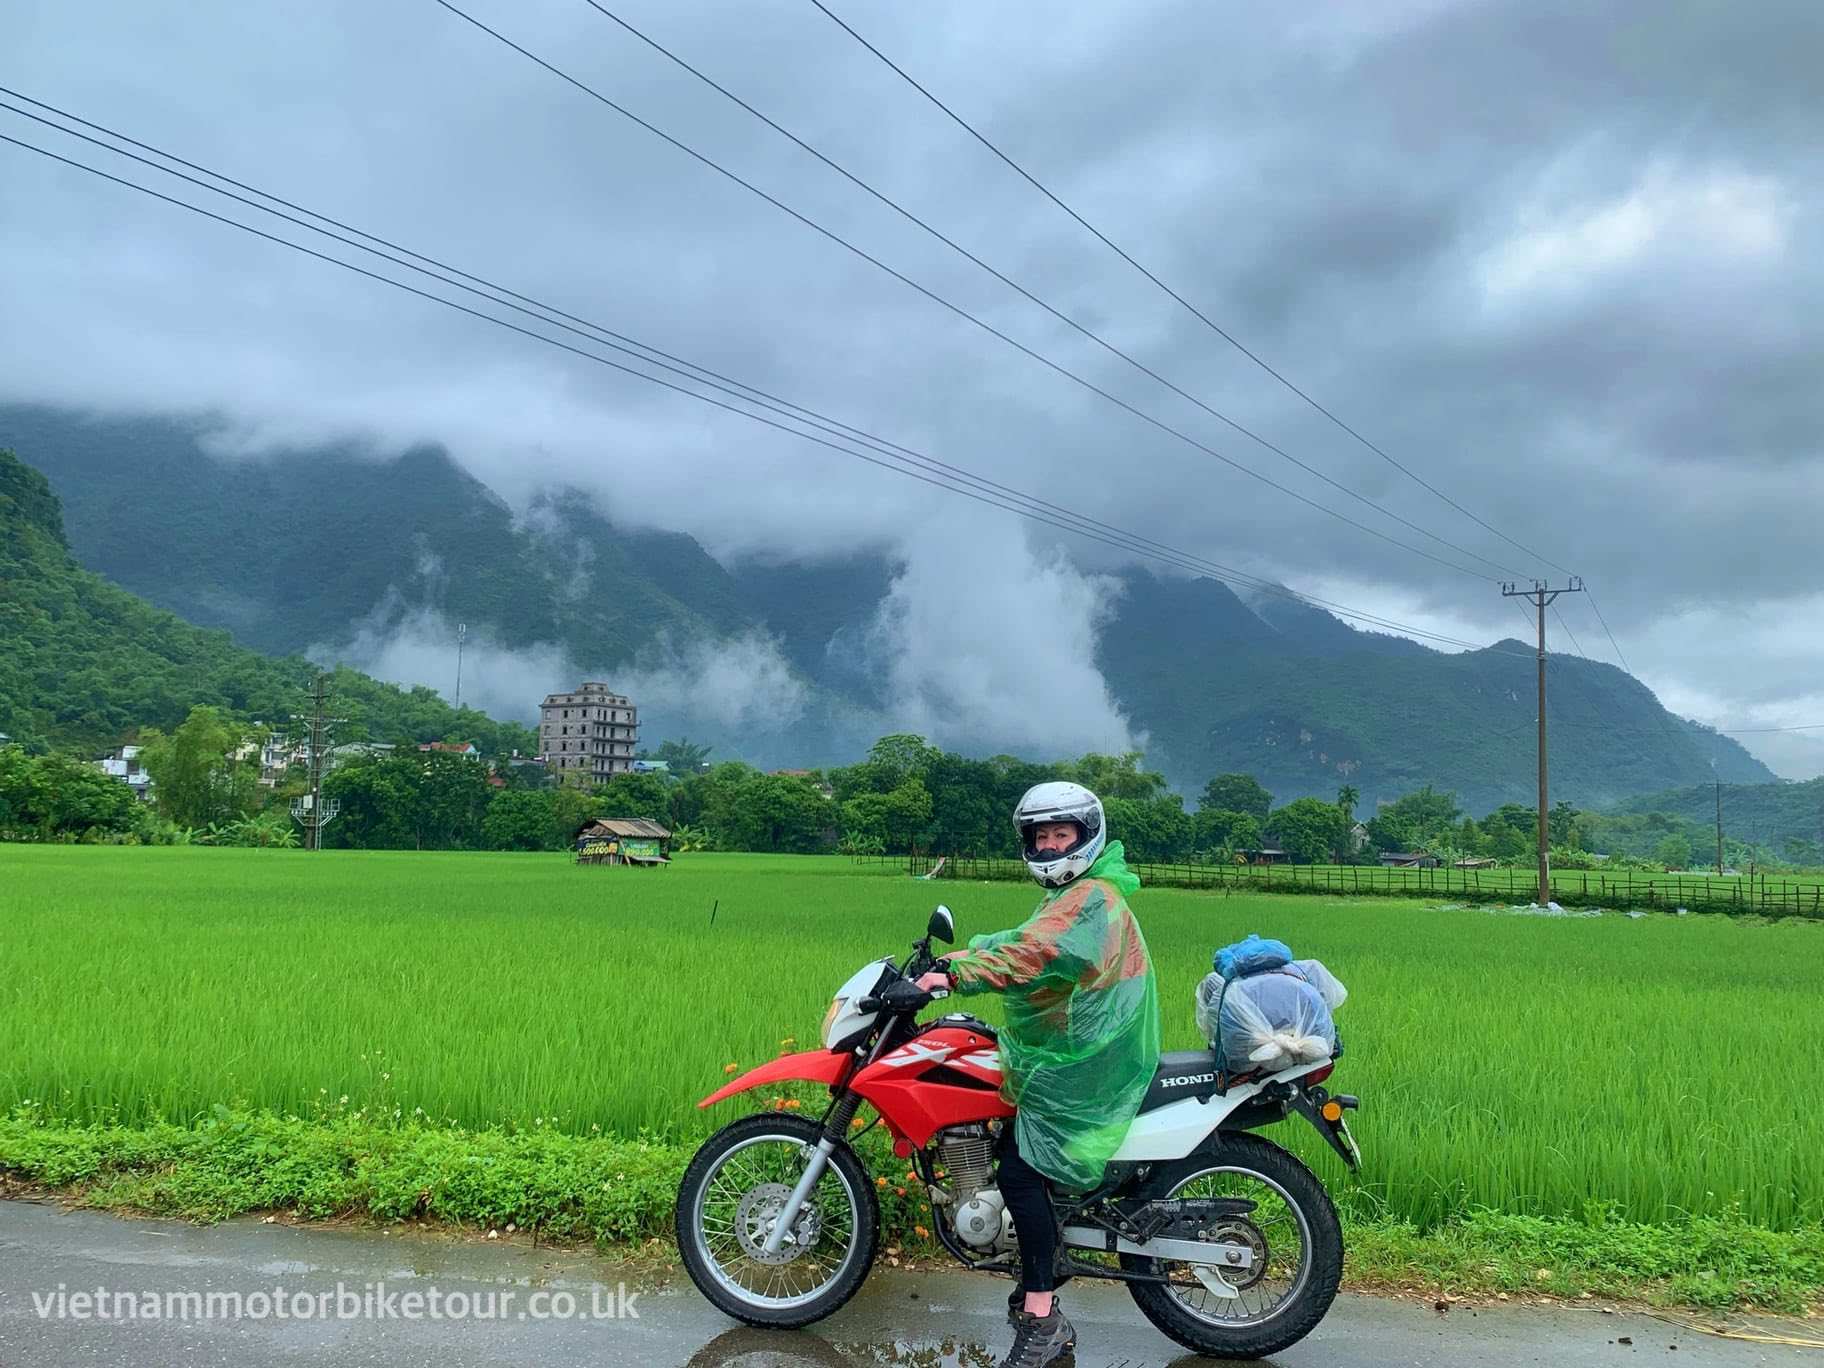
x: 806, y: 1066
x: 1309, y: 1103
x: 1175, y: 1130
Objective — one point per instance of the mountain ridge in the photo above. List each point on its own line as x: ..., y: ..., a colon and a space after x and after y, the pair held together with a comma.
x: 83, y: 663
x: 1264, y: 683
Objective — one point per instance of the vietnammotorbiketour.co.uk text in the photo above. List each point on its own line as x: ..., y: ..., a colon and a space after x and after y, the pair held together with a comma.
x: 369, y: 1301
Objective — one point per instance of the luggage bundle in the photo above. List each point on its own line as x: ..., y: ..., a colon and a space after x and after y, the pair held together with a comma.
x: 1261, y: 1010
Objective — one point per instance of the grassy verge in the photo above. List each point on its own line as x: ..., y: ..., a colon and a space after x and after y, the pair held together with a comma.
x: 619, y: 1192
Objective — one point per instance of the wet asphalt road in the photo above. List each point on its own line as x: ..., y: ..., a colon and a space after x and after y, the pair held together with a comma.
x: 918, y: 1320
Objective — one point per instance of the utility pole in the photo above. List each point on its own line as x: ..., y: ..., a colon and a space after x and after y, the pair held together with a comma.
x: 310, y: 811
x: 1719, y: 820
x: 1541, y: 596
x: 462, y: 633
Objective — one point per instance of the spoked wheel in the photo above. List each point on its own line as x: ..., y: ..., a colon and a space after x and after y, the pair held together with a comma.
x: 1293, y: 1263
x: 732, y: 1196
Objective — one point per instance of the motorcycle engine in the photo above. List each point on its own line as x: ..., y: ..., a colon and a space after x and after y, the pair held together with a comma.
x: 978, y: 1214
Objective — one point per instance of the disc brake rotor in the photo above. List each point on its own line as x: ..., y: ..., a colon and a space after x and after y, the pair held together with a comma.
x: 757, y: 1213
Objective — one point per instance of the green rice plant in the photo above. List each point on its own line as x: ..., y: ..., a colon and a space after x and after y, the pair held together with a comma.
x: 1653, y: 1067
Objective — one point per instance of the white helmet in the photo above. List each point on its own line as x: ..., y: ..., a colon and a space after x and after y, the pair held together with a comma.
x: 1059, y: 801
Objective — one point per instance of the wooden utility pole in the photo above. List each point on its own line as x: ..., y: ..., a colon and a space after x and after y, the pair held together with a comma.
x: 1719, y: 822
x: 1541, y: 597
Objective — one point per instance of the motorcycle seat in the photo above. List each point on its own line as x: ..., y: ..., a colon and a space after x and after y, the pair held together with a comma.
x: 1181, y: 1074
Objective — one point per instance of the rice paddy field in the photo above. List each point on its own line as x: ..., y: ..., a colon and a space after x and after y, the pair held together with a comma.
x: 1654, y: 1067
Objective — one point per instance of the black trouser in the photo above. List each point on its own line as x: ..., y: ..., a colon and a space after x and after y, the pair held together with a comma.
x: 1028, y: 1198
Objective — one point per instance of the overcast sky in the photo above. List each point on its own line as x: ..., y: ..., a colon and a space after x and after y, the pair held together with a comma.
x: 1561, y: 260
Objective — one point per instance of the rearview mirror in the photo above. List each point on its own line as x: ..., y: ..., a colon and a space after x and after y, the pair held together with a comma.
x: 942, y: 926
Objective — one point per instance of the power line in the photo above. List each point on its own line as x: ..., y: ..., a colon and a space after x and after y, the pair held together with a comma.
x: 539, y: 310
x: 1213, y: 326
x: 1089, y: 529
x: 1751, y: 731
x: 1590, y: 598
x: 1197, y: 313
x: 1131, y: 542
x: 621, y: 342
x: 940, y: 300
x: 1026, y: 293
x: 1659, y: 713
x: 1576, y: 645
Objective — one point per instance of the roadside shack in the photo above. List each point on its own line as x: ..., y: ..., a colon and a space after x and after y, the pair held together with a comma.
x: 623, y: 840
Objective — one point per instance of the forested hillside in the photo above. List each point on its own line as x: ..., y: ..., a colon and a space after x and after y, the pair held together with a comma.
x: 1307, y: 704
x: 294, y: 551
x: 1787, y: 819
x: 84, y: 664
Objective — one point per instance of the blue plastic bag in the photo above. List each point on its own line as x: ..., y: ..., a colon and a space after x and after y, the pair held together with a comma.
x: 1251, y: 956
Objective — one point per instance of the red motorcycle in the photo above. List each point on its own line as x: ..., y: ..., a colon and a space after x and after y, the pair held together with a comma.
x: 1228, y: 1243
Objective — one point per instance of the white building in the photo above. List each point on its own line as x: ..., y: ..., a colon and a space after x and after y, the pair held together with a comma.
x: 123, y: 764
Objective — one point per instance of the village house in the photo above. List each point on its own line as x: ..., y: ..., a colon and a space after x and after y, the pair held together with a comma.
x: 123, y: 764
x: 278, y: 754
x: 467, y: 749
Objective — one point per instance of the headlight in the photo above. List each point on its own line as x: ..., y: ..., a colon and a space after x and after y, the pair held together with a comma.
x: 829, y: 1019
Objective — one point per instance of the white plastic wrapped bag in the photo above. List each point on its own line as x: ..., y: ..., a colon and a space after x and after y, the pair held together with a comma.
x: 1327, y: 983
x: 1271, y: 1021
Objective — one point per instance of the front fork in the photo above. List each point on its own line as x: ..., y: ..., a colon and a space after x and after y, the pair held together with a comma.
x: 835, y: 1124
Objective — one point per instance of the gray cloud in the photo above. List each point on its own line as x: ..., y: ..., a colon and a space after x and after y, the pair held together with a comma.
x: 982, y: 643
x: 1564, y: 260
x: 698, y: 686
x: 418, y: 646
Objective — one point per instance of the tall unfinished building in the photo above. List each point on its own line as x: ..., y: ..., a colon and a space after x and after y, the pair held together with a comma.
x: 593, y: 730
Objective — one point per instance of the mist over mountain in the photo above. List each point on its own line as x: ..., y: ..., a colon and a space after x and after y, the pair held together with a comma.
x: 372, y: 559
x: 84, y: 664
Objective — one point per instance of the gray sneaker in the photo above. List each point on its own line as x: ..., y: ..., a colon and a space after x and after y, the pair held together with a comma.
x: 1040, y: 1340
x: 1016, y: 1300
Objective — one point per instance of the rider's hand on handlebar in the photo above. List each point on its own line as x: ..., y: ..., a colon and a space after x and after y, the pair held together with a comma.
x: 933, y: 982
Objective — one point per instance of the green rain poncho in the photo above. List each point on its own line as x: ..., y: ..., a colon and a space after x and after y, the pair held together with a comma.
x: 1082, y: 1037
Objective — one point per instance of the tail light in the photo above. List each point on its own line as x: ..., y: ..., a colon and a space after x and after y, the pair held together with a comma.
x: 1318, y: 1075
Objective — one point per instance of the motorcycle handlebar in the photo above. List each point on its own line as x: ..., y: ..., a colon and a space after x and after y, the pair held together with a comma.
x: 902, y: 995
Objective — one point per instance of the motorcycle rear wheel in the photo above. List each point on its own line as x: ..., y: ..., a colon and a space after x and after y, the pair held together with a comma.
x: 1294, y: 1228
x: 734, y: 1183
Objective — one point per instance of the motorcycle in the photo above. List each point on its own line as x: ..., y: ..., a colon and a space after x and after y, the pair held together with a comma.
x: 1228, y: 1243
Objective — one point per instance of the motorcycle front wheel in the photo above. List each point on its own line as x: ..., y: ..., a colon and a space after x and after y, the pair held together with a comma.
x: 730, y: 1200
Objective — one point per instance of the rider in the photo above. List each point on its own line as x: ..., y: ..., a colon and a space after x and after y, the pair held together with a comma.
x: 1082, y: 1037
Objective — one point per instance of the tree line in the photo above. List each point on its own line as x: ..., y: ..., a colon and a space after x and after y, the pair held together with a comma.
x: 904, y: 795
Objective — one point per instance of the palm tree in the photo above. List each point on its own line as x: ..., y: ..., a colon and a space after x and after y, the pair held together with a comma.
x: 1346, y: 799
x: 684, y: 757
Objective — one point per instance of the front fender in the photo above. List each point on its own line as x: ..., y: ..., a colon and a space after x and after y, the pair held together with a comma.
x: 806, y: 1066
